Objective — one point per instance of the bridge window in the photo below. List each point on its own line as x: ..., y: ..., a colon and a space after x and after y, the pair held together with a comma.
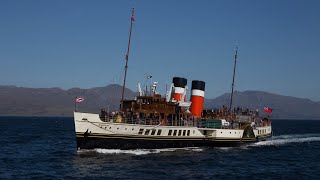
x: 188, y: 133
x: 170, y: 132
x: 179, y: 132
x: 159, y: 132
x: 184, y: 133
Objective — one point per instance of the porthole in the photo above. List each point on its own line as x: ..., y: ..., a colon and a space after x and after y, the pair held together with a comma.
x: 132, y: 129
x: 140, y: 131
x: 153, y: 132
x: 126, y: 129
x: 147, y: 132
x: 221, y: 132
x: 109, y: 127
x: 230, y: 132
x: 117, y: 128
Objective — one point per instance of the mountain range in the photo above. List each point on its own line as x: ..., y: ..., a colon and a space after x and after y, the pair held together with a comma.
x: 22, y: 101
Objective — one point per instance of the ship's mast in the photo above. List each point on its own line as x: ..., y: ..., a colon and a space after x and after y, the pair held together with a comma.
x: 234, y: 74
x: 127, y: 58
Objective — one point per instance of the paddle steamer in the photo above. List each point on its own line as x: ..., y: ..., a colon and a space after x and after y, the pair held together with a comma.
x: 151, y: 121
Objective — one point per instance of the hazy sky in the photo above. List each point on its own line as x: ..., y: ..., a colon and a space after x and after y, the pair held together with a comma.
x: 83, y: 44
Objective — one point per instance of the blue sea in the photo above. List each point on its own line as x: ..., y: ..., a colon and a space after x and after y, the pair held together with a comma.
x: 45, y: 148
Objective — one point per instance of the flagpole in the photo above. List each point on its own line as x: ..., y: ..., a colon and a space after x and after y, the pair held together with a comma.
x: 75, y: 104
x: 234, y: 73
x: 127, y: 58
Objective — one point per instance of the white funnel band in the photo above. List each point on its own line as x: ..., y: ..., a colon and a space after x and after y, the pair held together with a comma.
x: 197, y: 92
x: 178, y: 90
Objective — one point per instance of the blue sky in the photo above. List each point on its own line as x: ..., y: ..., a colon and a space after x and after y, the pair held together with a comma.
x: 83, y: 44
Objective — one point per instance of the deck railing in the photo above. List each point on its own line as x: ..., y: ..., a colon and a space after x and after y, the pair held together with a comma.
x: 191, y: 122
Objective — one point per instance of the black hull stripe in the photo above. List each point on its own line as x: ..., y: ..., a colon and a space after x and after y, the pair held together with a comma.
x: 121, y: 143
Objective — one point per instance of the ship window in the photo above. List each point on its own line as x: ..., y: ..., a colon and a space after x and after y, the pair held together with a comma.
x: 184, y: 133
x: 159, y: 132
x: 147, y: 132
x: 188, y: 133
x: 140, y: 131
x: 170, y: 132
x: 174, y: 132
x: 194, y: 131
x: 179, y: 132
x: 153, y: 132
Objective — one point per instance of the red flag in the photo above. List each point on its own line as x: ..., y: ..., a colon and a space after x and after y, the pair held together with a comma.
x: 267, y: 110
x: 79, y: 99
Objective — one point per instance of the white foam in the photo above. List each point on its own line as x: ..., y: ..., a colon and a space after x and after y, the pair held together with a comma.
x: 145, y: 151
x: 287, y: 139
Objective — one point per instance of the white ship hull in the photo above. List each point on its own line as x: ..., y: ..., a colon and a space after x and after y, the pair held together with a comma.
x: 92, y: 132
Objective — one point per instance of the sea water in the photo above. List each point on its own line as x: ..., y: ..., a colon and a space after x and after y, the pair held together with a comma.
x: 45, y: 148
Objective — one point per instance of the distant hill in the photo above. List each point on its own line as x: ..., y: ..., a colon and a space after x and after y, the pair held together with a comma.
x: 284, y: 106
x: 58, y: 102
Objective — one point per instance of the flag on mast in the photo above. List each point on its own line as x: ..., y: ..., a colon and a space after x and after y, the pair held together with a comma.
x: 267, y: 110
x: 79, y: 99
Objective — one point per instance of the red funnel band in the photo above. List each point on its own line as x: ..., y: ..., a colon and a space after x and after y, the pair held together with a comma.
x: 197, y: 105
x: 178, y: 93
x: 177, y: 96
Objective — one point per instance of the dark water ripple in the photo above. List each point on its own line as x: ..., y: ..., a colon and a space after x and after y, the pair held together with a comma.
x: 44, y: 148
